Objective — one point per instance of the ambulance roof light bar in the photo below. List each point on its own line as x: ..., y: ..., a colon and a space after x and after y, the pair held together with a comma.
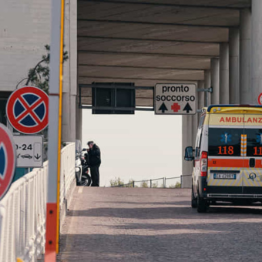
x: 212, y: 106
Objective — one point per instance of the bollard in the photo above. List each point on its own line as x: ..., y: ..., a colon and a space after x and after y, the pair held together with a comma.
x: 150, y: 183
x: 133, y: 183
x: 164, y: 182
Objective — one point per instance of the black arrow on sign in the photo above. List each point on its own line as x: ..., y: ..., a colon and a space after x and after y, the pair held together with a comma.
x: 187, y: 108
x: 37, y: 156
x: 163, y: 108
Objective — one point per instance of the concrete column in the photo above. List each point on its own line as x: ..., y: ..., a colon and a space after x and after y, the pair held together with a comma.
x: 245, y: 55
x: 73, y: 118
x: 73, y: 70
x: 70, y: 73
x: 256, y: 72
x: 66, y: 112
x: 187, y: 167
x: 78, y: 122
x: 224, y: 74
x: 215, y: 81
x: 207, y: 82
x: 66, y: 79
x: 234, y: 66
x: 184, y: 144
x: 187, y: 140
x: 201, y: 95
x: 195, y: 120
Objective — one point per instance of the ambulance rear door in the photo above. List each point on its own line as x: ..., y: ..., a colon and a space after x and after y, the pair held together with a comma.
x: 252, y: 171
x: 225, y: 160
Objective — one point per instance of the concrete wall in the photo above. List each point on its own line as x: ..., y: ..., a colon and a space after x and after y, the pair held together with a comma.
x: 70, y: 72
x: 24, y: 31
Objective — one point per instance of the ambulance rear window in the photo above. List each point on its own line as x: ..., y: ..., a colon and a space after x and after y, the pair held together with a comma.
x: 224, y: 142
x: 254, y: 142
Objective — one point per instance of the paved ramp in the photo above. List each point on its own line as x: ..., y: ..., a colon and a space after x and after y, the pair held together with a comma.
x: 147, y: 225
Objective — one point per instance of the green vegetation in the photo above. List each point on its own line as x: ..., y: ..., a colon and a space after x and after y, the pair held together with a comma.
x: 118, y: 182
x: 130, y: 183
x: 155, y: 185
x: 39, y: 75
x: 144, y: 184
x: 177, y: 185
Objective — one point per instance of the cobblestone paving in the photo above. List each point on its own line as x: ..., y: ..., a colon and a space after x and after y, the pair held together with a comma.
x: 136, y: 224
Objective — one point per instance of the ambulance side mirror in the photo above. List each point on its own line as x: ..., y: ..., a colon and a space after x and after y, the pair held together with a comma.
x: 189, y: 153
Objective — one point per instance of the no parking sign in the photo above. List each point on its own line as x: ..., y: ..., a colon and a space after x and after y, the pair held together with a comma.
x: 27, y: 110
x: 7, y: 160
x: 260, y: 99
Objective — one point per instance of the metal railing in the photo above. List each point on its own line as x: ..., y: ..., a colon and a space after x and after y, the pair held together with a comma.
x: 23, y: 211
x: 153, y: 183
x: 67, y: 171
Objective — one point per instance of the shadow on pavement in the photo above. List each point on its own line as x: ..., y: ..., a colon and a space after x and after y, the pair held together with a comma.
x: 167, y: 203
x: 163, y: 212
x: 230, y: 245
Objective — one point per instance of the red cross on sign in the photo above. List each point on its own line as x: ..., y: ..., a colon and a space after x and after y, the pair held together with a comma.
x: 175, y: 107
x: 27, y: 110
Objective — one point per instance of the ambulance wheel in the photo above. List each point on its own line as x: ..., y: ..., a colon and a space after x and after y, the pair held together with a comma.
x: 201, y: 205
x: 193, y: 200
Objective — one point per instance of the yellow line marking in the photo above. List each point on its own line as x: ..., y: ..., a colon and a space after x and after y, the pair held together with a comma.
x: 226, y: 183
x: 245, y: 182
x: 220, y: 182
x: 60, y: 120
x: 80, y: 190
x: 240, y: 182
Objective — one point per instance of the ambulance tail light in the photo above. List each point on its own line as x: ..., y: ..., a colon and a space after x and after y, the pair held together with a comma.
x: 203, y: 164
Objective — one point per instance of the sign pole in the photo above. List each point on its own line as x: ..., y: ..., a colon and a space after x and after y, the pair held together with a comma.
x: 54, y: 132
x: 7, y: 159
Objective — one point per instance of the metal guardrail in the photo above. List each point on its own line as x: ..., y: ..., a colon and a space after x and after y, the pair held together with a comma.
x: 149, y: 183
x: 67, y: 171
x: 23, y: 211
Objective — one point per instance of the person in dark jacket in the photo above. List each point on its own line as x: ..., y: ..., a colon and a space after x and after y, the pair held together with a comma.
x: 94, y: 159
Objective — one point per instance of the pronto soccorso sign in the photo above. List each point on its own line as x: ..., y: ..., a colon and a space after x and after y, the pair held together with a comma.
x: 175, y: 99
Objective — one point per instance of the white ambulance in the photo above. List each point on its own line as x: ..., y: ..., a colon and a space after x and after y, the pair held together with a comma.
x: 227, y: 156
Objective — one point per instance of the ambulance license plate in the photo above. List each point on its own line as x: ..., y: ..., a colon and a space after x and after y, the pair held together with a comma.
x: 225, y: 176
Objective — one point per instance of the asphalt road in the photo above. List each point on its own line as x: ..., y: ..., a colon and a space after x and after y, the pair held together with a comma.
x: 136, y: 224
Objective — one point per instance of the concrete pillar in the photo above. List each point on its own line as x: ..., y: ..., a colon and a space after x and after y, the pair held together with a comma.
x: 195, y: 121
x: 256, y: 72
x: 187, y: 140
x: 66, y: 111
x: 70, y: 73
x: 73, y: 118
x: 207, y: 84
x: 73, y: 69
x: 234, y: 66
x: 66, y: 79
x: 224, y: 74
x: 78, y: 123
x: 201, y: 95
x: 215, y: 81
x: 245, y: 55
x: 184, y: 144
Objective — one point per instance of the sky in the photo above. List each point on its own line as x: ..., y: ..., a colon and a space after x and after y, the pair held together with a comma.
x: 138, y: 147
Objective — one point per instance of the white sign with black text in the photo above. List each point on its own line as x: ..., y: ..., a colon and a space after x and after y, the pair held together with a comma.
x: 175, y: 99
x: 29, y: 151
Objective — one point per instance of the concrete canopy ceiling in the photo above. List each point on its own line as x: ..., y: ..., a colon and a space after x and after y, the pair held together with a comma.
x: 151, y: 41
